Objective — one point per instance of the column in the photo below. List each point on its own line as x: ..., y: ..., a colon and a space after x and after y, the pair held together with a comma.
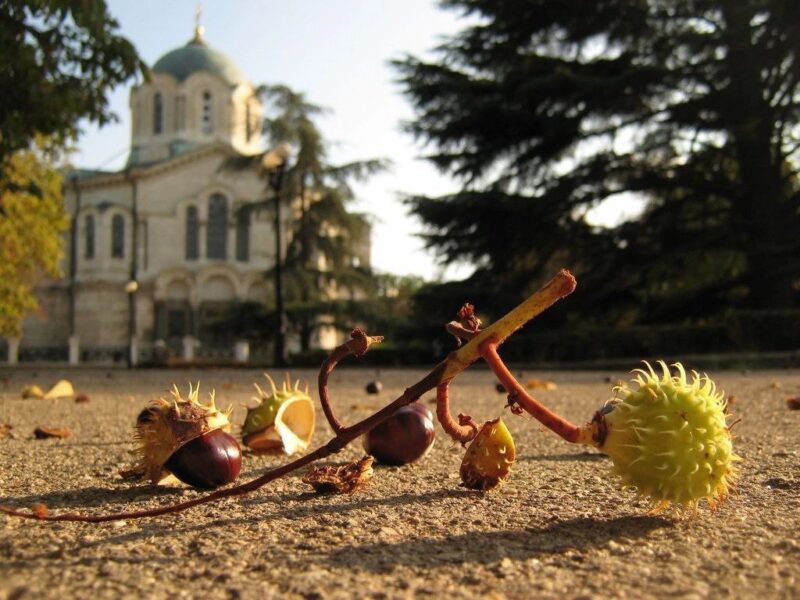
x: 74, y: 350
x: 241, y: 351
x: 12, y: 343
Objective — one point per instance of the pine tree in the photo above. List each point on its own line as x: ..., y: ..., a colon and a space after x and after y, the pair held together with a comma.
x: 545, y: 109
x: 324, y: 261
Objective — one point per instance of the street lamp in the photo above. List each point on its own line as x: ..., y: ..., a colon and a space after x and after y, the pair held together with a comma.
x: 274, y: 162
x: 131, y: 287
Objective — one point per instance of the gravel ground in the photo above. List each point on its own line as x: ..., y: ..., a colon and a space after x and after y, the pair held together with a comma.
x: 559, y: 528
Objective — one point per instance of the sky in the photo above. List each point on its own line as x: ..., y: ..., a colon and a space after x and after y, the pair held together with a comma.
x: 337, y: 53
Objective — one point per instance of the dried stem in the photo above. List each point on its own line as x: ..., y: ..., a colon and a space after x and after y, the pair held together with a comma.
x: 519, y: 395
x: 558, y: 287
x: 462, y: 431
x: 358, y: 345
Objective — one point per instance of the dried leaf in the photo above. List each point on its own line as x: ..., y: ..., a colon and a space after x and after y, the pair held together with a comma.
x: 346, y: 479
x: 540, y: 384
x: 5, y: 429
x: 42, y: 433
x: 793, y: 403
x: 81, y: 399
x: 32, y: 391
x: 62, y: 389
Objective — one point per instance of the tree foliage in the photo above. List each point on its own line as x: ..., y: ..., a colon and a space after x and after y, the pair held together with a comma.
x: 31, y: 220
x: 546, y: 109
x: 60, y: 60
x: 324, y: 265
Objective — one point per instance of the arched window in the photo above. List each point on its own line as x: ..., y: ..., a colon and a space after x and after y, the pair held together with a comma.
x: 217, y: 230
x: 158, y: 114
x: 248, y: 122
x: 243, y: 235
x: 88, y: 232
x: 207, y: 110
x: 192, y: 238
x: 118, y: 236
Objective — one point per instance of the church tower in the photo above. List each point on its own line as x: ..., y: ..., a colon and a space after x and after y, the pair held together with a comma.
x: 196, y: 96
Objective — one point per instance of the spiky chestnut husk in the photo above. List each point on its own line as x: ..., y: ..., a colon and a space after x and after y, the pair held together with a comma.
x: 282, y: 420
x: 489, y: 457
x: 167, y: 425
x: 668, y: 438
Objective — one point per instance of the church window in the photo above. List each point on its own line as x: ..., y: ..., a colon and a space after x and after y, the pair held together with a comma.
x: 208, y: 123
x: 192, y: 238
x: 118, y: 236
x: 248, y: 121
x: 88, y: 230
x: 158, y: 114
x: 217, y: 230
x: 243, y: 235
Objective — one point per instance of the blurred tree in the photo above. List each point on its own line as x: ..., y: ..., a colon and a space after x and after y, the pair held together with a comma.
x: 32, y: 218
x: 326, y: 258
x: 60, y: 58
x: 547, y: 109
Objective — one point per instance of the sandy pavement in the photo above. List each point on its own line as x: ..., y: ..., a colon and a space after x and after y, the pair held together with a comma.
x: 559, y: 528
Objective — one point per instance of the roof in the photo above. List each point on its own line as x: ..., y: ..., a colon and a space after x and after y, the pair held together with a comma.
x: 198, y: 56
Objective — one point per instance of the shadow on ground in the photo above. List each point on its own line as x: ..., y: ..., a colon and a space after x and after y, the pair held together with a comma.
x: 488, y: 547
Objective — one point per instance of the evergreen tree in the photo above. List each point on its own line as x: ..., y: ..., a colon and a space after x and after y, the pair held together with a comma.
x: 60, y: 58
x: 546, y: 109
x: 324, y: 262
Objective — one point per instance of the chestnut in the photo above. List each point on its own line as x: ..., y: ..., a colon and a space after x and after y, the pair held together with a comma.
x: 188, y: 439
x: 208, y: 461
x: 374, y: 387
x: 403, y: 438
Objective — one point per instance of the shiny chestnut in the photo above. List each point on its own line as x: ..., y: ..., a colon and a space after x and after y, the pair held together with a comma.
x: 403, y: 438
x: 208, y: 461
x: 374, y: 387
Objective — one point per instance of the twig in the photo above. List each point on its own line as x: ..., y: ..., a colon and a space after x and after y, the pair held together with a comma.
x: 358, y: 345
x: 463, y: 431
x: 519, y: 395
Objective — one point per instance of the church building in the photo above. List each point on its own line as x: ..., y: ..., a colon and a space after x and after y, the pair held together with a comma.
x: 160, y: 251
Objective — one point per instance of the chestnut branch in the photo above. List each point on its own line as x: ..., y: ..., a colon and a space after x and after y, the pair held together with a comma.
x: 480, y: 343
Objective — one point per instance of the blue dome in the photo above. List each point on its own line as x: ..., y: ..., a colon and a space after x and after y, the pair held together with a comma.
x: 196, y: 56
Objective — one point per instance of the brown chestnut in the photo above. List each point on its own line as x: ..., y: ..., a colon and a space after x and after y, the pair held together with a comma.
x: 374, y: 387
x: 208, y: 461
x: 404, y: 437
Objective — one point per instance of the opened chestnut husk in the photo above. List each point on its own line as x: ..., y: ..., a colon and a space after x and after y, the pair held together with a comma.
x: 282, y: 420
x: 187, y: 439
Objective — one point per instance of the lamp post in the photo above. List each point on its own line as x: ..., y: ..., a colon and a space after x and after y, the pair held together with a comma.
x: 274, y: 163
x: 132, y: 286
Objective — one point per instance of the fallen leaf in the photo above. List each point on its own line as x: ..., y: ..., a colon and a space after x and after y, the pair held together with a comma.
x: 32, y: 391
x: 62, y: 389
x: 5, y: 428
x: 793, y: 403
x: 540, y: 384
x: 81, y: 399
x: 42, y: 433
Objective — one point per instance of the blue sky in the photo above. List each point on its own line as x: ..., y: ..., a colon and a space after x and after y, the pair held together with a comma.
x: 337, y: 53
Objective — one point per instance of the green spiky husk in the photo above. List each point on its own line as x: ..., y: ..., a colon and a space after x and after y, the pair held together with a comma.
x: 489, y: 457
x: 668, y: 438
x: 262, y: 415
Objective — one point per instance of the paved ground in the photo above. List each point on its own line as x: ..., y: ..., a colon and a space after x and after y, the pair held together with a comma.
x: 560, y: 528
